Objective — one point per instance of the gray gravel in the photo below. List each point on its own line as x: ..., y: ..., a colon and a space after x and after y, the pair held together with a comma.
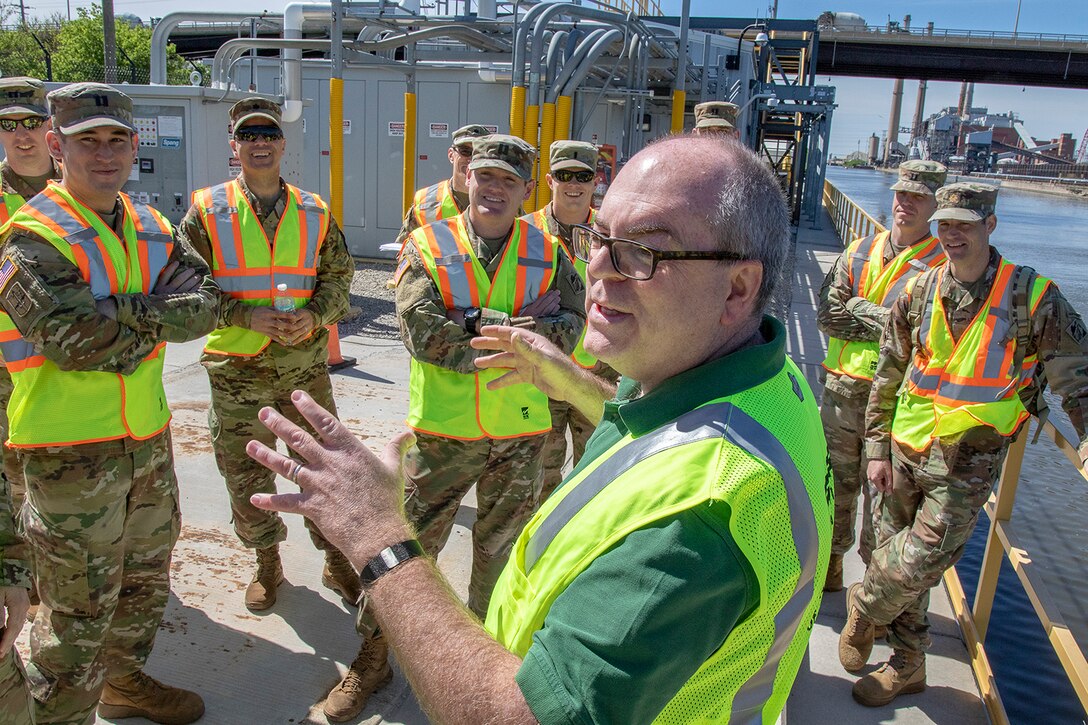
x: 377, y: 315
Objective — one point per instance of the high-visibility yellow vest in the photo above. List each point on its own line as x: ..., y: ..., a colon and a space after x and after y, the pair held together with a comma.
x: 434, y: 202
x: 539, y: 219
x: 776, y: 488
x: 50, y: 406
x: 248, y: 267
x: 459, y: 405
x: 881, y: 284
x: 8, y: 331
x: 952, y: 386
x: 11, y: 204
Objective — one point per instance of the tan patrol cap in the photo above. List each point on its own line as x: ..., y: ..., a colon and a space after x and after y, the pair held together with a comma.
x: 499, y: 151
x: 83, y: 106
x: 716, y: 114
x: 21, y: 95
x: 255, y: 109
x: 966, y: 202
x: 469, y: 133
x: 572, y: 155
x: 920, y: 177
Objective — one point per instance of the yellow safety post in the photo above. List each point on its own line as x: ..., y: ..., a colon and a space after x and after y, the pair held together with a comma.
x: 679, y: 98
x: 409, y: 190
x: 517, y: 111
x: 562, y: 118
x: 336, y: 148
x: 547, y: 133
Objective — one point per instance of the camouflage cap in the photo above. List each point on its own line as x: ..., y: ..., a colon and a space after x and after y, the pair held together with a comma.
x: 469, y: 133
x: 249, y: 109
x: 572, y: 155
x: 920, y: 177
x: 967, y: 201
x: 716, y: 114
x: 20, y: 95
x: 499, y: 151
x: 83, y: 106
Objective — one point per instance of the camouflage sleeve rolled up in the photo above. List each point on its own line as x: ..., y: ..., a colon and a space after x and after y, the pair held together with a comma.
x: 335, y: 269
x: 53, y: 308
x: 843, y: 315
x: 896, y: 347
x: 191, y: 231
x: 175, y: 317
x: 1061, y: 341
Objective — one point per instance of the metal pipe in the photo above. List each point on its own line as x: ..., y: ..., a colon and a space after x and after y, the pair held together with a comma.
x: 591, y: 45
x: 294, y: 14
x: 555, y: 50
x: 409, y: 187
x: 465, y: 33
x: 234, y: 49
x: 160, y: 35
x: 679, y: 84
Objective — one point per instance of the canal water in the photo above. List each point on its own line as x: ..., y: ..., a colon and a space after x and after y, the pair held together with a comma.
x: 1051, y: 514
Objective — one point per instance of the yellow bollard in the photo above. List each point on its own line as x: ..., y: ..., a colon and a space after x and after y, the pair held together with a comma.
x: 679, y: 98
x: 336, y: 148
x: 409, y: 190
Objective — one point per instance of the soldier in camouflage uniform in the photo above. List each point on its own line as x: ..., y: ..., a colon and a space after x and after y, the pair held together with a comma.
x: 968, y: 343
x: 855, y: 298
x: 258, y: 355
x: 96, y: 285
x: 15, y: 701
x: 573, y: 167
x: 448, y: 197
x: 716, y: 118
x: 480, y: 252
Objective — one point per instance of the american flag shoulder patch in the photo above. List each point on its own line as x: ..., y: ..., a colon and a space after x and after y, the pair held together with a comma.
x: 404, y: 266
x: 7, y: 271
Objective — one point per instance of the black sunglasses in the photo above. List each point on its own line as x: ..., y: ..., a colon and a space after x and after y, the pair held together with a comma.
x: 30, y: 124
x: 631, y: 259
x: 251, y: 134
x: 464, y: 149
x: 566, y: 176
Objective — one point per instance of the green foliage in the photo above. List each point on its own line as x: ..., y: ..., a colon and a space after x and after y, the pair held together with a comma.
x: 20, y: 52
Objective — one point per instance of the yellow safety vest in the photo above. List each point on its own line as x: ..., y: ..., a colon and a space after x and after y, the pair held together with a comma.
x: 951, y: 385
x: 776, y: 488
x: 11, y: 204
x: 880, y: 284
x: 435, y: 202
x: 50, y: 406
x: 8, y: 331
x: 539, y: 219
x: 248, y: 267
x: 459, y: 405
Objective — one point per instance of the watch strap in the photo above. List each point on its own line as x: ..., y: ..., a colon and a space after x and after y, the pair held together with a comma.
x: 388, y: 559
x: 472, y: 320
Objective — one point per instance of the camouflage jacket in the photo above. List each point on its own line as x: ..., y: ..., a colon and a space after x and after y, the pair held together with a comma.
x: 328, y: 304
x: 1058, y: 337
x: 12, y: 183
x: 409, y: 224
x: 433, y: 338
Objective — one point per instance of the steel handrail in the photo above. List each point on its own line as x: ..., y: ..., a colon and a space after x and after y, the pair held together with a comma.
x: 851, y: 221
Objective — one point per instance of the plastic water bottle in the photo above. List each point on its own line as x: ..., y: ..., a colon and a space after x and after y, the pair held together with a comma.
x: 283, y: 301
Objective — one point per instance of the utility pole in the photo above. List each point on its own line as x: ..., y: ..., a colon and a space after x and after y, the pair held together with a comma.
x: 109, y: 39
x: 22, y: 11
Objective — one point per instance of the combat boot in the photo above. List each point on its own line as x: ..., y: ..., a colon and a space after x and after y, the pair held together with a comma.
x: 369, y: 672
x: 261, y: 592
x: 139, y: 695
x: 903, y: 674
x: 833, y: 583
x: 340, y: 576
x: 856, y: 640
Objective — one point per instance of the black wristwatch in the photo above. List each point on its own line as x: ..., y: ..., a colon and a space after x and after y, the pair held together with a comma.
x: 388, y: 559
x: 472, y: 320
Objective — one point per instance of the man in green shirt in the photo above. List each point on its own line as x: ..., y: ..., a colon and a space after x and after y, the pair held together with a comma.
x: 694, y: 596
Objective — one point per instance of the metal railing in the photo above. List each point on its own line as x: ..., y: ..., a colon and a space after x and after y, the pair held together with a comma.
x: 1002, y: 541
x: 897, y: 33
x: 638, y: 7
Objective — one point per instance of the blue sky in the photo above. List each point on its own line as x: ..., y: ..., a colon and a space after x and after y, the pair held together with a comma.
x: 864, y: 104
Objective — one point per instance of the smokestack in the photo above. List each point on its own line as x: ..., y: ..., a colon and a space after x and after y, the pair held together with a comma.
x: 970, y: 99
x: 919, y: 111
x: 962, y: 108
x: 893, y: 121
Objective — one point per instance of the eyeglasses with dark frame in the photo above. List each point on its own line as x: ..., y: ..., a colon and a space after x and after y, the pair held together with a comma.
x: 631, y: 259
x: 251, y: 134
x: 464, y: 149
x: 31, y: 123
x: 565, y: 176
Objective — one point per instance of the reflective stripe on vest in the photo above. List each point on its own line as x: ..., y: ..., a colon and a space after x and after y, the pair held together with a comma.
x: 622, y: 492
x: 12, y: 346
x: 458, y: 405
x: 248, y: 267
x: 880, y: 284
x: 111, y: 405
x: 954, y: 385
x: 434, y: 203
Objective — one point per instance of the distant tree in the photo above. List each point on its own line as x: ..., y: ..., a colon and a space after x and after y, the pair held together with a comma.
x: 20, y: 51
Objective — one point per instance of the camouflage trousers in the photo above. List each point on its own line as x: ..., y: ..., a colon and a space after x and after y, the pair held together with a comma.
x: 16, y: 706
x: 844, y: 428
x: 564, y: 415
x: 102, y: 520
x: 238, y: 394
x: 439, y: 472
x: 924, y: 525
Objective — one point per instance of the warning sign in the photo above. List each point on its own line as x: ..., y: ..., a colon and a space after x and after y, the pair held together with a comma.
x: 440, y: 130
x: 396, y: 128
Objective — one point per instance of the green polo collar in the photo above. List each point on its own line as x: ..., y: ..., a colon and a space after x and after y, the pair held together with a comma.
x: 733, y: 373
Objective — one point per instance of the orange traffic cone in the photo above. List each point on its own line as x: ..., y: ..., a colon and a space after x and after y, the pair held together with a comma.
x: 336, y: 359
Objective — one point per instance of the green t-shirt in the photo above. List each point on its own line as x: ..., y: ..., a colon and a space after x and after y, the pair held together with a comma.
x: 630, y: 630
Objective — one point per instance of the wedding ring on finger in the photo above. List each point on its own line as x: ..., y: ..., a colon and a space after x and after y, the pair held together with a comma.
x: 294, y: 472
